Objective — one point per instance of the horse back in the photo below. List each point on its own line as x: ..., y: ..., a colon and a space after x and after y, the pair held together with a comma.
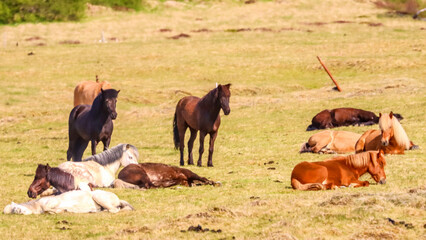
x: 86, y: 92
x: 322, y: 120
x: 309, y: 172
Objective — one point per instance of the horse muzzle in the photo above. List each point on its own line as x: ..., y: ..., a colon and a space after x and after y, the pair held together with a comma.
x: 227, y: 111
x: 382, y: 181
x: 385, y: 143
x: 113, y: 115
x: 31, y: 194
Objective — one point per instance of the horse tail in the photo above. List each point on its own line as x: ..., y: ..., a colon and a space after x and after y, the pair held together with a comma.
x: 175, y: 132
x: 126, y: 206
x: 306, y: 187
x: 305, y: 148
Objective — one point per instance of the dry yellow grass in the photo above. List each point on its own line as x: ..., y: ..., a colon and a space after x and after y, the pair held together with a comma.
x: 278, y: 86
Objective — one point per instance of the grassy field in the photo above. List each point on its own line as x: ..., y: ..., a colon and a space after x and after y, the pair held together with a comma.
x: 267, y: 50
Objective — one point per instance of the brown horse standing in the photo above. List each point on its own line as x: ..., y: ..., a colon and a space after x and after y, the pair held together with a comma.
x: 329, y: 141
x: 339, y: 171
x: 391, y: 137
x: 158, y: 175
x: 344, y: 117
x: 85, y: 92
x: 200, y: 114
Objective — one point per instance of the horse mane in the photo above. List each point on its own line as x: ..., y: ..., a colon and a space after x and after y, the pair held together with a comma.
x: 111, y: 155
x: 60, y: 179
x: 358, y: 160
x: 399, y: 133
x: 209, y: 96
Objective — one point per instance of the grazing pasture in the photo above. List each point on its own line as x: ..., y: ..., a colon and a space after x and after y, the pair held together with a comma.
x: 267, y: 50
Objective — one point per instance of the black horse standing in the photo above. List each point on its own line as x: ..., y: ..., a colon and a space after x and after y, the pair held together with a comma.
x: 92, y: 123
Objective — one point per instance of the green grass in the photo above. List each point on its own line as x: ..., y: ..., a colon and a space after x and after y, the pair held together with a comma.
x: 278, y: 86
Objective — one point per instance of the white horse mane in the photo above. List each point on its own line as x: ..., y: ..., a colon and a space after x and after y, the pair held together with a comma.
x: 111, y: 155
x: 398, y: 131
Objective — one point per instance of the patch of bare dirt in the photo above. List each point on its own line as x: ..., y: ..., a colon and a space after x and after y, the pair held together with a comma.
x: 182, y: 35
x: 165, y: 30
x: 133, y: 230
x: 35, y: 38
x: 199, y: 215
x: 202, y: 30
x: 235, y: 30
x: 342, y: 21
x: 315, y: 23
x: 69, y: 42
x: 372, y: 24
x: 374, y: 235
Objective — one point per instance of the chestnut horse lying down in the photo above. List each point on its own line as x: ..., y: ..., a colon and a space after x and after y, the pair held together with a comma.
x: 344, y: 117
x: 86, y: 92
x: 329, y: 141
x: 391, y: 137
x: 78, y: 201
x: 339, y: 171
x: 158, y: 175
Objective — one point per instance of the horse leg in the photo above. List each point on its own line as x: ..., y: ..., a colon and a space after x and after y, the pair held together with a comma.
x: 182, y: 130
x: 358, y: 183
x: 190, y: 145
x: 79, y: 148
x: 213, y: 136
x: 201, y: 151
x: 106, y: 142
x: 94, y: 144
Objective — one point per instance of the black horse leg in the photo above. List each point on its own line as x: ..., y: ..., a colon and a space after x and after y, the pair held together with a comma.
x: 213, y: 136
x: 190, y: 145
x: 79, y: 147
x: 201, y: 151
x: 182, y: 143
x: 94, y: 144
x: 106, y: 142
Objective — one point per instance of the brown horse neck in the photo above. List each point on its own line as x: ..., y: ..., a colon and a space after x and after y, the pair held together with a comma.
x: 357, y: 171
x: 210, y: 103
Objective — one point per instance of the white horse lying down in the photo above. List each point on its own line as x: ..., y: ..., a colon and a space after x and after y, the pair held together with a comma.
x: 77, y: 201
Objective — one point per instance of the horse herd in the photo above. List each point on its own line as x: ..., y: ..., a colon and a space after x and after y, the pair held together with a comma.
x: 91, y: 121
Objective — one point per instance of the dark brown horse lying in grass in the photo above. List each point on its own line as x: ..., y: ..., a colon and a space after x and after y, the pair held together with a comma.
x: 344, y: 117
x: 339, y: 171
x: 158, y: 175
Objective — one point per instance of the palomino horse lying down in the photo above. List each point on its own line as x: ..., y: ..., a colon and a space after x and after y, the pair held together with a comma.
x: 86, y: 92
x: 339, y: 171
x: 158, y: 175
x: 344, y: 117
x: 74, y: 201
x: 391, y: 137
x: 329, y: 141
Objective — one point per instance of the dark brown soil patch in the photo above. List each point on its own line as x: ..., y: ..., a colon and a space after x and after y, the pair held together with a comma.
x: 238, y: 30
x: 40, y: 44
x: 372, y: 24
x: 342, y: 21
x: 198, y: 228
x: 69, y: 42
x: 201, y: 30
x: 182, y: 35
x: 165, y: 30
x: 33, y: 38
x: 315, y: 23
x: 263, y: 29
x: 249, y: 1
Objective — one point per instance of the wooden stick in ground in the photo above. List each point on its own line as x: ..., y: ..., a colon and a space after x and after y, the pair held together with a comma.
x: 329, y: 74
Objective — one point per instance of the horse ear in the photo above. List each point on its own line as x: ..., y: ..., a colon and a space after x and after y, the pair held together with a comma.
x: 47, y: 166
x: 391, y: 115
x: 380, y: 114
x: 102, y: 91
x: 228, y: 85
x: 127, y: 146
x: 118, y: 91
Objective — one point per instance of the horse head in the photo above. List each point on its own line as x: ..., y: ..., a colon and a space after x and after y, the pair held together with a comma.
x: 130, y: 155
x: 109, y: 102
x: 40, y: 183
x: 376, y: 167
x: 223, y: 95
x: 386, y: 126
